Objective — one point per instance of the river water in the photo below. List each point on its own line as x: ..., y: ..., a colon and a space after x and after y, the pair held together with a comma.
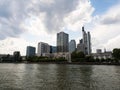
x: 59, y: 77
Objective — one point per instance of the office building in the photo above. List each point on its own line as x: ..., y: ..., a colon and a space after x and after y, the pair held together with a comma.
x: 17, y: 56
x: 30, y: 51
x: 80, y: 46
x: 72, y: 46
x: 53, y: 49
x: 62, y: 42
x: 89, y: 50
x: 99, y: 51
x: 85, y: 43
x: 102, y: 55
x: 43, y: 48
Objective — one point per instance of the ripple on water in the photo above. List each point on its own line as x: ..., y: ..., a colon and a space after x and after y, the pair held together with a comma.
x: 59, y: 77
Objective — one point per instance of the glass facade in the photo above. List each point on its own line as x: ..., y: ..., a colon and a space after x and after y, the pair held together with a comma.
x: 62, y: 42
x: 30, y: 51
x: 72, y: 46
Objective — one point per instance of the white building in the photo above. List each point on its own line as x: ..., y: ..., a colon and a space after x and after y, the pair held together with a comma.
x: 102, y: 55
x: 67, y: 56
x: 43, y: 48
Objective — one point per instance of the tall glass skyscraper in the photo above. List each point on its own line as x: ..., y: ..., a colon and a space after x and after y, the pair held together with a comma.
x: 72, y: 46
x: 85, y: 43
x: 89, y: 43
x: 62, y: 42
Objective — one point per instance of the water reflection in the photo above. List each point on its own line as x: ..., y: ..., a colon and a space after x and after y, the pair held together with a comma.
x: 59, y: 77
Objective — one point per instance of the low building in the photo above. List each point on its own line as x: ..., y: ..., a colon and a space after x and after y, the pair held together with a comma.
x: 17, y: 56
x: 67, y: 56
x: 104, y: 55
x: 99, y: 51
x: 6, y: 58
x: 30, y: 51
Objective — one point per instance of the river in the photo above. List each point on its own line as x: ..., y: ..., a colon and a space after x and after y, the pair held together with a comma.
x: 59, y: 77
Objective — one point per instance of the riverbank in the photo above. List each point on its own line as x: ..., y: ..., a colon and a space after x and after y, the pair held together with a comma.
x: 76, y: 63
x: 72, y: 63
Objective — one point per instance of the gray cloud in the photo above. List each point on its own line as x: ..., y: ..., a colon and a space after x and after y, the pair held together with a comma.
x: 111, y: 20
x: 12, y: 15
x: 14, y: 12
x: 57, y: 11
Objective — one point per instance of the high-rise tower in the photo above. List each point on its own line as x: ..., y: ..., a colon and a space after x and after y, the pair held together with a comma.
x: 72, y: 46
x: 43, y: 48
x: 30, y: 51
x: 62, y: 42
x: 89, y: 50
x: 86, y: 42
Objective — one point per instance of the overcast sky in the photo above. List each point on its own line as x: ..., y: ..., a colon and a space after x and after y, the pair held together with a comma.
x: 27, y: 22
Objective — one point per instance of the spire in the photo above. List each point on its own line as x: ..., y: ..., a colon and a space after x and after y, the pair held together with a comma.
x: 83, y: 28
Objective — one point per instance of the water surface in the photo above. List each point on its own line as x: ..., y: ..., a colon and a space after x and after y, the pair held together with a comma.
x: 59, y: 77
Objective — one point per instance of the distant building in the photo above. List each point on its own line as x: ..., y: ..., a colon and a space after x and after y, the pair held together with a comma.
x: 85, y: 43
x: 53, y: 49
x: 72, y: 46
x: 98, y: 51
x: 6, y: 58
x: 80, y: 47
x: 65, y: 55
x: 89, y: 49
x: 43, y: 48
x: 102, y: 55
x: 17, y: 56
x: 30, y: 51
x: 62, y: 42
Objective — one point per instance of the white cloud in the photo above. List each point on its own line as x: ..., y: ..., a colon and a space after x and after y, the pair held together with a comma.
x: 80, y: 16
x: 106, y: 29
x: 10, y: 45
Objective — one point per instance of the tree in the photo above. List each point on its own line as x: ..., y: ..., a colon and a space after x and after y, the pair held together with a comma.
x: 89, y: 59
x: 80, y: 55
x: 74, y: 54
x: 116, y: 53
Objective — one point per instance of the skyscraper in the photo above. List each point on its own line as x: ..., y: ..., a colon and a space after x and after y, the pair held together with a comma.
x: 62, y: 42
x: 30, y: 51
x: 81, y: 46
x: 72, y: 46
x: 53, y: 49
x: 85, y: 43
x: 89, y: 50
x: 85, y: 40
x: 43, y: 48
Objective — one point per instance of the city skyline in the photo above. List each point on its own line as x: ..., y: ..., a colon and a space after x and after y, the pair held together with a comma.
x: 25, y: 23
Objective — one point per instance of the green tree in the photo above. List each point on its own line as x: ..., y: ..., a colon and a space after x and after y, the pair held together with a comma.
x: 74, y: 54
x: 116, y: 53
x: 80, y: 55
x: 89, y: 59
